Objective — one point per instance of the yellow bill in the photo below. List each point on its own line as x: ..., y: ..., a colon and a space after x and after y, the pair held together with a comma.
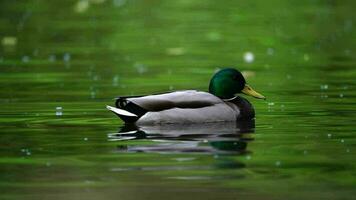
x: 249, y: 91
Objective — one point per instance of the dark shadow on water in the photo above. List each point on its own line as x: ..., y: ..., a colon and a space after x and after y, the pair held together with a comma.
x: 210, y: 138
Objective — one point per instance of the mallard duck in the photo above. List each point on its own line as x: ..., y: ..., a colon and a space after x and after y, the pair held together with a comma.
x: 191, y: 106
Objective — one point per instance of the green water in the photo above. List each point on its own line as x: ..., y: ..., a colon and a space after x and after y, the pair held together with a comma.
x: 78, y: 55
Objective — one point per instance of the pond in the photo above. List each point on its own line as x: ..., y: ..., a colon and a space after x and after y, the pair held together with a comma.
x: 62, y: 62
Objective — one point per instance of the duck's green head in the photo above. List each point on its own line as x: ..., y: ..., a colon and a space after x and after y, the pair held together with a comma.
x: 228, y: 82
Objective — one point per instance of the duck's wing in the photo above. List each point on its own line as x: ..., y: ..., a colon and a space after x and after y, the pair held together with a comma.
x: 178, y: 99
x: 130, y: 109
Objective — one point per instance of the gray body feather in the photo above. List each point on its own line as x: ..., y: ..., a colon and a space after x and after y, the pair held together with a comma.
x: 190, y: 106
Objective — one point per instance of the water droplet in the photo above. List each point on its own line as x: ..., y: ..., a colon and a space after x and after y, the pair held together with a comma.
x: 271, y: 104
x: 66, y: 57
x: 213, y: 36
x: 270, y: 51
x: 119, y: 3
x: 115, y: 80
x: 341, y: 95
x: 59, y: 111
x: 324, y: 87
x: 249, y: 57
x: 342, y: 140
x: 176, y: 51
x: 81, y: 6
x: 305, y: 152
x: 25, y: 59
x: 278, y: 163
x: 9, y: 41
x: 248, y: 157
x: 324, y: 96
x: 329, y: 135
x: 35, y: 52
x: 141, y: 68
x: 95, y: 78
x: 92, y: 94
x: 85, y: 139
x: 52, y: 58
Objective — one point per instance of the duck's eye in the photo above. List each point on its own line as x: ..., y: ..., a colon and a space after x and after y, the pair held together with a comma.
x: 235, y: 77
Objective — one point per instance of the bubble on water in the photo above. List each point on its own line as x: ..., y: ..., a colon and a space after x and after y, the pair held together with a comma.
x: 305, y: 152
x: 175, y: 51
x: 66, y: 57
x: 205, y: 141
x: 119, y: 3
x: 93, y: 94
x: 324, y: 96
x: 270, y: 103
x: 59, y: 111
x: 348, y: 150
x: 9, y: 41
x: 248, y: 157
x: 342, y: 140
x: 141, y: 68
x: 48, y: 164
x: 347, y: 52
x: 329, y: 135
x: 249, y: 57
x: 115, y: 80
x: 171, y: 87
x: 95, y: 78
x: 278, y: 163
x: 81, y: 6
x: 348, y: 24
x: 341, y: 95
x: 324, y: 87
x: 25, y: 59
x: 52, y: 58
x: 289, y: 76
x: 306, y: 57
x: 26, y: 151
x: 35, y: 52
x: 127, y: 58
x: 270, y: 51
x: 213, y: 36
x: 85, y: 139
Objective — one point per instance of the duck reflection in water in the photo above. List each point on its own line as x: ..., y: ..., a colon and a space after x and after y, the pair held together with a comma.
x: 211, y: 138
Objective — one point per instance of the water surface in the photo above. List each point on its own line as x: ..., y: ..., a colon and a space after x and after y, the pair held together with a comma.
x: 62, y: 62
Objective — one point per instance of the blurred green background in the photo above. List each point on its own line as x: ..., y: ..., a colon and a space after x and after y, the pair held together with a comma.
x: 61, y: 62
